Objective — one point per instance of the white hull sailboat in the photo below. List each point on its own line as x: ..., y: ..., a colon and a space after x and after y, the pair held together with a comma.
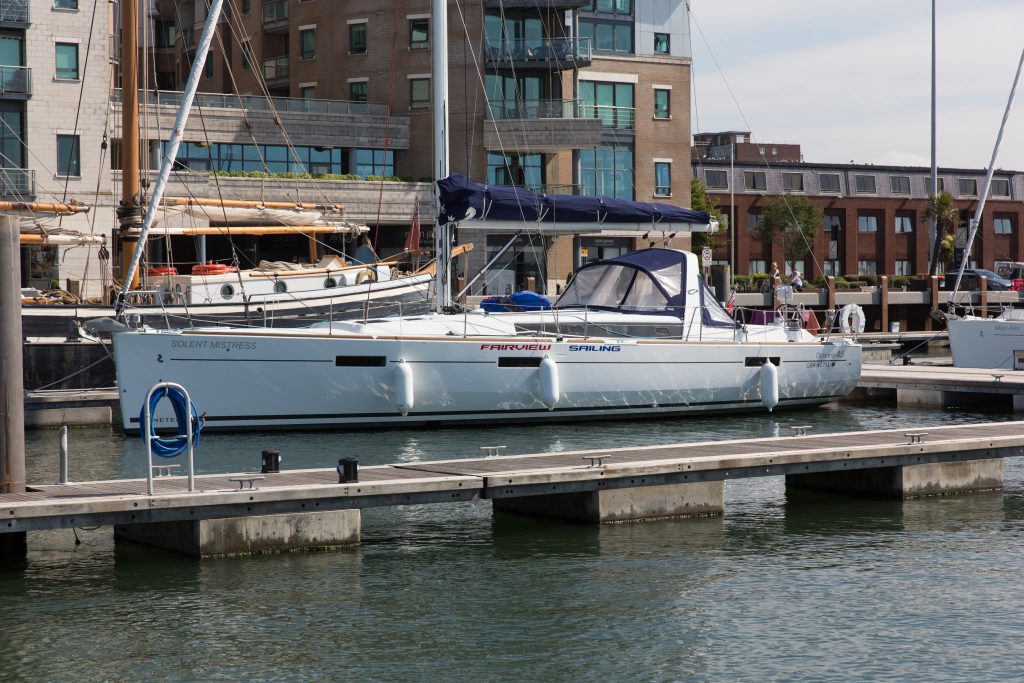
x: 640, y: 335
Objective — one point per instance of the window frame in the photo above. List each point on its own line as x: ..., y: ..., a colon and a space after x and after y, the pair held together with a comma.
x: 668, y: 104
x: 789, y: 175
x: 905, y: 221
x: 353, y: 86
x: 419, y: 44
x: 662, y: 190
x: 303, y: 34
x: 867, y: 267
x: 997, y: 221
x: 725, y: 175
x: 867, y: 223
x: 419, y: 104
x: 57, y: 45
x: 1003, y: 182
x: 66, y: 5
x: 748, y: 187
x: 74, y: 160
x: 903, y: 265
x: 355, y: 48
x: 666, y: 43
x: 969, y: 181
x: 901, y: 179
x: 839, y: 185
x: 865, y: 178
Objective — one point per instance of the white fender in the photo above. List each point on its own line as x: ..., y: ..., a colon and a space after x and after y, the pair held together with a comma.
x: 851, y: 319
x: 549, y: 390
x: 769, y: 385
x: 402, y: 387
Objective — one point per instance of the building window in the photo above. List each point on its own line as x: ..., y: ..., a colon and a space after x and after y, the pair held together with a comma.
x: 661, y: 44
x: 208, y: 67
x: 900, y: 184
x: 942, y: 185
x: 904, y: 224
x: 717, y: 180
x: 357, y: 91
x: 419, y: 34
x: 307, y: 92
x: 831, y: 222
x: 65, y: 4
x: 247, y: 57
x: 607, y: 171
x: 867, y: 224
x: 865, y: 184
x: 968, y: 187
x: 662, y: 179
x: 662, y: 104
x: 519, y: 170
x: 610, y: 102
x: 624, y: 7
x: 374, y: 162
x: 223, y: 156
x: 829, y: 183
x: 757, y: 266
x: 307, y: 43
x: 246, y: 6
x: 903, y: 267
x: 165, y: 34
x: 357, y: 39
x: 793, y: 182
x: 67, y: 61
x: 1000, y: 188
x: 754, y: 181
x: 419, y: 93
x: 752, y: 218
x: 832, y: 267
x: 867, y: 267
x: 69, y: 162
x: 608, y: 36
x: 1002, y: 226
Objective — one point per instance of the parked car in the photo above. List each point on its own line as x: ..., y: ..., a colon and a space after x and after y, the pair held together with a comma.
x: 996, y: 282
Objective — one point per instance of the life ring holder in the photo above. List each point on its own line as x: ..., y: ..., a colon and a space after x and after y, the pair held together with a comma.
x: 366, y: 274
x: 851, y: 319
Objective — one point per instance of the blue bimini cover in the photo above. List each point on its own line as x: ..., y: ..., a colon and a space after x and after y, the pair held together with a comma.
x: 462, y: 199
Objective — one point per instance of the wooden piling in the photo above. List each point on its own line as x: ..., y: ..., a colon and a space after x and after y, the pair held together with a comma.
x: 12, y: 410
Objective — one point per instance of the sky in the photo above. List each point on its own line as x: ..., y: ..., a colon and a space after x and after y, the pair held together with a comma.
x: 850, y: 80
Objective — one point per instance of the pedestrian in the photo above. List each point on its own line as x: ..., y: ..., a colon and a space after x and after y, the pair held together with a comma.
x: 796, y: 281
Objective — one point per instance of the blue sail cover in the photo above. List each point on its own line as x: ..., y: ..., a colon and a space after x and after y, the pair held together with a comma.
x: 462, y: 199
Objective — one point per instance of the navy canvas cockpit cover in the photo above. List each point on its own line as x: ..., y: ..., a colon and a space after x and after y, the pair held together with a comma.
x: 462, y: 199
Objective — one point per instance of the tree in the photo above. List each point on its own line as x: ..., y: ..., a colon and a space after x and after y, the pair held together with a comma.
x: 701, y: 200
x: 942, y: 209
x: 793, y: 220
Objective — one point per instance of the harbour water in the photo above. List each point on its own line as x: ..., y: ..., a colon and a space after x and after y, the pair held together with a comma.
x: 783, y: 587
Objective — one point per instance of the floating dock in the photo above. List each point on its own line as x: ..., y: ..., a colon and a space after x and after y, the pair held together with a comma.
x: 942, y: 385
x: 251, y: 512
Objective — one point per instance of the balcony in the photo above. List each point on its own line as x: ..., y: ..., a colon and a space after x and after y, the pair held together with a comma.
x: 622, y: 118
x: 17, y: 183
x: 15, y: 82
x: 230, y: 118
x: 532, y: 4
x: 547, y: 53
x: 275, y: 16
x: 541, y: 125
x: 15, y: 13
x: 276, y: 70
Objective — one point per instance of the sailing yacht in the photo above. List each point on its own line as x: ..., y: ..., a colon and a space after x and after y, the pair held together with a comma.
x: 640, y: 335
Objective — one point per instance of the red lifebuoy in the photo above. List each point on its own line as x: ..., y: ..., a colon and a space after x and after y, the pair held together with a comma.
x: 209, y: 269
x: 161, y: 270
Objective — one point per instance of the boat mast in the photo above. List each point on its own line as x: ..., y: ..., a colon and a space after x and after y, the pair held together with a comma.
x: 129, y: 212
x: 177, y: 132
x: 976, y: 221
x: 933, y: 222
x: 442, y: 231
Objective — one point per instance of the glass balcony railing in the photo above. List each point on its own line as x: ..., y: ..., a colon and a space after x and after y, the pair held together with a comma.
x: 505, y: 110
x: 568, y: 50
x: 276, y: 68
x: 172, y: 98
x: 275, y: 11
x: 18, y: 183
x: 15, y: 80
x: 610, y: 116
x: 15, y: 11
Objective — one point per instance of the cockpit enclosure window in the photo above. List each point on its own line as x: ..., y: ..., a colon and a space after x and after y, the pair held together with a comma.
x: 714, y: 314
x: 624, y: 287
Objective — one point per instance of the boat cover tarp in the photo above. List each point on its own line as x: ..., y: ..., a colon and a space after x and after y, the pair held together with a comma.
x: 520, y: 301
x: 462, y: 199
x: 645, y: 281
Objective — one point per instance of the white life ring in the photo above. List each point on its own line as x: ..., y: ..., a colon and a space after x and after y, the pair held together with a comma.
x: 851, y: 319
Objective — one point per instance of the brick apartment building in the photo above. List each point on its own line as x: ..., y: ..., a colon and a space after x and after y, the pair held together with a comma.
x: 572, y: 96
x: 874, y: 216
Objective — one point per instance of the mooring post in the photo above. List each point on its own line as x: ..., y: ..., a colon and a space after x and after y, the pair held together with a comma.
x: 12, y: 400
x: 63, y: 456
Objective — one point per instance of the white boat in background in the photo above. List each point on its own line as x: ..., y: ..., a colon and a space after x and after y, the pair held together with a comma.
x: 977, y: 341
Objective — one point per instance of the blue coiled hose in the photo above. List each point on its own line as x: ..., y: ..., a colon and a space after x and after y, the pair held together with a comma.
x: 170, y: 448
